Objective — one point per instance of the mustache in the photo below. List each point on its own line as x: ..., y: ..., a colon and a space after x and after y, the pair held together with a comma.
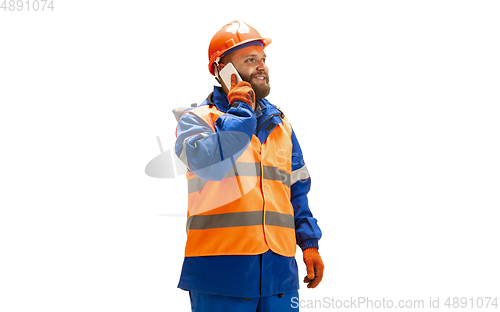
x: 261, y: 73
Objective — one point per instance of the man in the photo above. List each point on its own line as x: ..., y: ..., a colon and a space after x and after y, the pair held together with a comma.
x: 247, y: 189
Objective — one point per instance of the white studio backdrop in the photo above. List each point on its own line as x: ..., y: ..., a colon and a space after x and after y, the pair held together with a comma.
x: 395, y: 103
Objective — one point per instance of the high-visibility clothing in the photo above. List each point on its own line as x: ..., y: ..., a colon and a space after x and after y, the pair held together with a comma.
x: 198, y: 145
x: 248, y: 211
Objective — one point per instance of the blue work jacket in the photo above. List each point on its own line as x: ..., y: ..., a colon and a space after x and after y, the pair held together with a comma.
x: 249, y: 276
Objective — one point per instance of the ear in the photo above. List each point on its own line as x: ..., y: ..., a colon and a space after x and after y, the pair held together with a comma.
x: 218, y: 68
x: 221, y: 66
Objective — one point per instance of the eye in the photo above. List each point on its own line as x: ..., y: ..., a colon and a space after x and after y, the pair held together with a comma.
x: 251, y: 60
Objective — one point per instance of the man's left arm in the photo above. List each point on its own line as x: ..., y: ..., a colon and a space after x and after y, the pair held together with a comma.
x: 307, y: 231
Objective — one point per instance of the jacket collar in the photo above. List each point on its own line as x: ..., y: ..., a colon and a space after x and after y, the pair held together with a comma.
x: 267, y: 118
x: 219, y: 99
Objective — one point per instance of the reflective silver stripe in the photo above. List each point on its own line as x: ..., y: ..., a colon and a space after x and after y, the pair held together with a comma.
x: 280, y: 219
x: 300, y: 174
x: 248, y: 170
x: 276, y: 174
x: 195, y: 185
x: 242, y: 169
x: 234, y: 219
x: 223, y: 220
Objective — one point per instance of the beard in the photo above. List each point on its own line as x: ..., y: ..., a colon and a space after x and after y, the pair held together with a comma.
x: 261, y: 90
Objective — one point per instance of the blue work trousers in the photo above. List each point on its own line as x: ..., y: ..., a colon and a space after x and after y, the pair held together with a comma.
x: 202, y: 302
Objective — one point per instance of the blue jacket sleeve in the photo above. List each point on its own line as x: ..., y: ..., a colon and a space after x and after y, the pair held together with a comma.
x: 210, y: 154
x: 307, y: 231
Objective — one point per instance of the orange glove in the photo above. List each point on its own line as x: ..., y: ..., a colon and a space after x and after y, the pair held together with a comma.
x: 241, y: 92
x: 314, y: 266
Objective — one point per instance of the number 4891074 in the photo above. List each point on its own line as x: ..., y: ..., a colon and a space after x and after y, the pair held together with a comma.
x: 27, y: 5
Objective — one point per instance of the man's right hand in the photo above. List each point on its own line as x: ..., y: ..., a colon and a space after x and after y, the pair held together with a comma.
x: 241, y: 92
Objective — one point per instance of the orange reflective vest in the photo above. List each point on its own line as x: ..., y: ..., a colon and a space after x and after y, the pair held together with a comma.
x: 249, y: 211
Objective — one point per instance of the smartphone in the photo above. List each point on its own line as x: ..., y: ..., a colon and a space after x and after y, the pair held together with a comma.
x: 226, y: 73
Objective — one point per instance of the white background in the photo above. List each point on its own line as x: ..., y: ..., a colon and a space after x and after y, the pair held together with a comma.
x: 395, y: 103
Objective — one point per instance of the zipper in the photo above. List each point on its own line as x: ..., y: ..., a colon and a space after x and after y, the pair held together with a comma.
x: 271, y: 116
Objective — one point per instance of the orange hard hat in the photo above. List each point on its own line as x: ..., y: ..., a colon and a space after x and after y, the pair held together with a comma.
x: 231, y: 36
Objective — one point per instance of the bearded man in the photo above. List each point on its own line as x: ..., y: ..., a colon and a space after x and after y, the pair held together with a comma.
x: 247, y: 189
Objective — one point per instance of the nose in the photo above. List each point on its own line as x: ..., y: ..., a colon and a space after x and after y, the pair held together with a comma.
x: 261, y: 66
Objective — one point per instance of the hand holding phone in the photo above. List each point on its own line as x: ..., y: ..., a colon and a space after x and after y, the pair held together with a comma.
x: 241, y: 92
x: 226, y: 74
x: 238, y: 90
